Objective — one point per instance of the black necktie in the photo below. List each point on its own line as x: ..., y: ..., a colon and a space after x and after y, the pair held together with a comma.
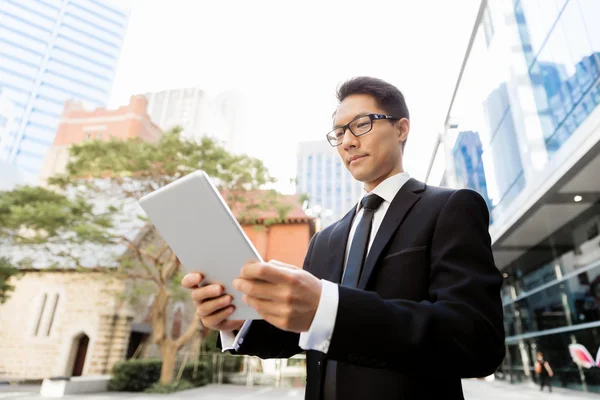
x: 360, y: 241
x: 356, y: 258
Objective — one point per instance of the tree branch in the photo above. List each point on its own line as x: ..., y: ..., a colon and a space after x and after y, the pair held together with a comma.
x: 188, y: 334
x: 160, y: 253
x: 139, y: 253
x: 172, y: 266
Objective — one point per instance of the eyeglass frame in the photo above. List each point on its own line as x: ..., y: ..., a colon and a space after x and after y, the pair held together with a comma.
x: 372, y: 117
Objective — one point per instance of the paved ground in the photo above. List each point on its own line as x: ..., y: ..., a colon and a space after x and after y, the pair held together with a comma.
x: 474, y: 390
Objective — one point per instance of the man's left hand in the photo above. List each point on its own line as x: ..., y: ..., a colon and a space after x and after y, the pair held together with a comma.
x: 284, y: 295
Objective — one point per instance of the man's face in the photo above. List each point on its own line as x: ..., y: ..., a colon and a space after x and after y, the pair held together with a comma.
x: 373, y: 157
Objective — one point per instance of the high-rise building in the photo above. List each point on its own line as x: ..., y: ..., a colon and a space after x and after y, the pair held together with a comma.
x: 179, y: 107
x: 331, y: 190
x: 7, y: 117
x: 50, y: 52
x: 78, y: 125
x: 221, y: 117
x: 529, y: 87
x: 468, y: 163
x: 9, y: 174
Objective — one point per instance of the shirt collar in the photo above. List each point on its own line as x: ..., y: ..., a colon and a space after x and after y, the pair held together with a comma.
x: 387, y: 189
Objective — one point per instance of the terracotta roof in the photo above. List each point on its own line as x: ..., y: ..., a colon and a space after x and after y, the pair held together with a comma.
x: 271, y: 204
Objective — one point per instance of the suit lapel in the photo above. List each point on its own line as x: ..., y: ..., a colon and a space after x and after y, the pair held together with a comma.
x: 338, y: 240
x: 405, y: 199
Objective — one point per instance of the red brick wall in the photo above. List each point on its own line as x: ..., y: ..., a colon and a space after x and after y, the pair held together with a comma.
x: 125, y: 122
x: 282, y: 242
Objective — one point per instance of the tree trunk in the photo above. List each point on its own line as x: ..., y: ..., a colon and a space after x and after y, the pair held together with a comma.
x: 159, y: 316
x: 168, y: 352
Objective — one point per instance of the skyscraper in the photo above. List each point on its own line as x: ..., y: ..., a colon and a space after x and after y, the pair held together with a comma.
x: 468, y: 164
x: 331, y: 190
x: 9, y: 175
x: 183, y: 107
x: 50, y: 52
x: 221, y: 117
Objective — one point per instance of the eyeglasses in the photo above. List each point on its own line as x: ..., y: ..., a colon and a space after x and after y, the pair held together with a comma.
x: 358, y: 127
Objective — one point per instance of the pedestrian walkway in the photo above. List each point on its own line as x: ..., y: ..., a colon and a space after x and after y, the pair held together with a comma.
x: 473, y: 389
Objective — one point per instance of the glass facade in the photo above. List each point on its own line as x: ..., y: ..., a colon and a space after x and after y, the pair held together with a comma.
x: 468, y: 162
x: 528, y: 98
x: 51, y: 52
x: 326, y: 181
x: 562, y: 55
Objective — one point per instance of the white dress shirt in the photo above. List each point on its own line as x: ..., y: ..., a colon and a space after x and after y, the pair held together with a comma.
x: 319, y: 334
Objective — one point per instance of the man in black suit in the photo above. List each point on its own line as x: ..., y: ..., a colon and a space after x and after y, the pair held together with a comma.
x: 400, y: 299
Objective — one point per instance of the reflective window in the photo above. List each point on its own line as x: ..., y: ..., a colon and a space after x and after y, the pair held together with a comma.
x: 536, y: 18
x: 489, y: 161
x: 564, y: 64
x: 555, y: 349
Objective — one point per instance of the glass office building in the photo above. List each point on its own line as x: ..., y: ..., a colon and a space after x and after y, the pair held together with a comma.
x: 321, y: 175
x: 52, y: 51
x: 523, y: 129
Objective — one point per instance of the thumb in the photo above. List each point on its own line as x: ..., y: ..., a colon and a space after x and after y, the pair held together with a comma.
x: 282, y: 264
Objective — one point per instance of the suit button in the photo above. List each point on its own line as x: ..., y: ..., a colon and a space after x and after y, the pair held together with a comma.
x: 319, y: 366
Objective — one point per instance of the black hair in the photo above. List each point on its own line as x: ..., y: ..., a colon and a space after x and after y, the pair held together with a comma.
x: 388, y: 97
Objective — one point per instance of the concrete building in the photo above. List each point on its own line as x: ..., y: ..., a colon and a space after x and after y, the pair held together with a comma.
x: 78, y: 125
x: 52, y: 51
x: 529, y: 92
x: 331, y: 190
x: 184, y: 107
x: 222, y: 117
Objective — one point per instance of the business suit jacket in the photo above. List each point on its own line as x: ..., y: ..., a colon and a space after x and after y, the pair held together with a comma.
x: 427, y: 310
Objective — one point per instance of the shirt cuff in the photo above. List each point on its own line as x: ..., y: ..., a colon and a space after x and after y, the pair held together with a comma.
x: 319, y: 334
x: 229, y: 341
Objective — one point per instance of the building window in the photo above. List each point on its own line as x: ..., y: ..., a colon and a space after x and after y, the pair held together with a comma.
x: 46, y: 315
x: 488, y: 26
x: 40, y: 315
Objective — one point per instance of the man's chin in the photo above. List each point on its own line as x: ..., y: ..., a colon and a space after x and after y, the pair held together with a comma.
x: 359, y: 175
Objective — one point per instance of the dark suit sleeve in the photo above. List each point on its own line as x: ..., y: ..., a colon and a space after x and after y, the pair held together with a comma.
x: 459, y: 331
x: 266, y: 341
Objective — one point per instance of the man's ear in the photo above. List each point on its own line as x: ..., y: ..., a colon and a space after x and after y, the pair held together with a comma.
x: 403, y: 126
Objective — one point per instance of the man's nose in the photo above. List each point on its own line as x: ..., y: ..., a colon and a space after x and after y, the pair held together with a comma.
x: 349, y: 139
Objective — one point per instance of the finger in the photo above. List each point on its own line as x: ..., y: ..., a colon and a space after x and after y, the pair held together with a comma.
x: 207, y: 292
x: 259, y: 289
x: 264, y: 307
x: 217, y: 319
x: 192, y: 279
x: 265, y: 272
x: 283, y: 265
x: 209, y: 307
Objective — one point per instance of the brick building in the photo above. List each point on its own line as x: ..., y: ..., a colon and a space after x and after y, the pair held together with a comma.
x: 78, y: 125
x: 67, y: 323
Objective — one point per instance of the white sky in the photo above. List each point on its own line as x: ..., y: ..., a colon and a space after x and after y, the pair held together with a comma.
x: 288, y: 58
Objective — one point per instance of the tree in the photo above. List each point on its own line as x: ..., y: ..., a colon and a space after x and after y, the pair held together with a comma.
x: 7, y: 271
x: 104, y: 179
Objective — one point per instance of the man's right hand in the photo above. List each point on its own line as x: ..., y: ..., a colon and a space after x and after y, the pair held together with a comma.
x: 212, y: 306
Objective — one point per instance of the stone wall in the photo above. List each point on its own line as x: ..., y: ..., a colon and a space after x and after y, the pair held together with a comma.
x: 48, y: 313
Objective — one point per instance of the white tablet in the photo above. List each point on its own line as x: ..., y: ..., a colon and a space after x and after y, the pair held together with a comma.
x: 194, y: 220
